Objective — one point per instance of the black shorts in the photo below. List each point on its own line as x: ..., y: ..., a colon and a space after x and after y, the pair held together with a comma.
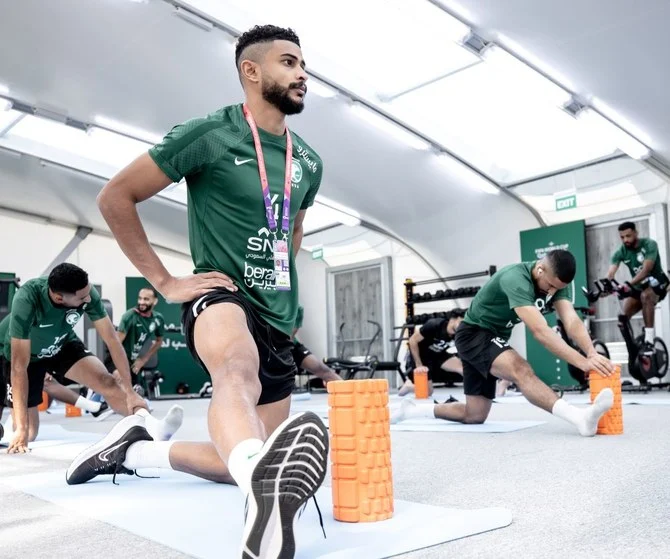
x: 478, y: 348
x: 435, y: 371
x: 277, y: 368
x: 300, y: 352
x: 57, y: 366
x: 660, y: 290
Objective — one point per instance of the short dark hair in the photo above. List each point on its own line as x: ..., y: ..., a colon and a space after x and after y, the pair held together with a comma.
x: 627, y: 225
x: 263, y: 34
x: 562, y: 264
x: 149, y: 288
x: 67, y: 278
x: 456, y: 313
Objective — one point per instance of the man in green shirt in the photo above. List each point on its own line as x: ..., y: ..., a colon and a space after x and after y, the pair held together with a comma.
x: 250, y: 182
x: 520, y: 293
x: 37, y: 338
x: 648, y: 284
x: 136, y: 326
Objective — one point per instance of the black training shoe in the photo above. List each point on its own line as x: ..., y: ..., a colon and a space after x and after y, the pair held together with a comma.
x: 108, y: 455
x: 291, y: 467
x: 103, y: 407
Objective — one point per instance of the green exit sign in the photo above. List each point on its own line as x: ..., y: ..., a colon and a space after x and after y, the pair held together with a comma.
x: 317, y: 254
x: 566, y: 203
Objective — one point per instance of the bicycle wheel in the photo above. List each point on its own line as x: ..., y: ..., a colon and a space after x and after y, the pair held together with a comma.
x: 661, y: 357
x: 601, y: 348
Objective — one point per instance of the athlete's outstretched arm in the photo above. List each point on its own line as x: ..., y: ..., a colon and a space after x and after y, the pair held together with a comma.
x: 117, y: 201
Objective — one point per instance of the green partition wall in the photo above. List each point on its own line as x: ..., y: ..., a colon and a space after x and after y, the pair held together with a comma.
x: 535, y: 243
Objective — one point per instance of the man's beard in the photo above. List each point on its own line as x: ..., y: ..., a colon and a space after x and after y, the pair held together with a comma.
x: 144, y: 308
x: 278, y: 96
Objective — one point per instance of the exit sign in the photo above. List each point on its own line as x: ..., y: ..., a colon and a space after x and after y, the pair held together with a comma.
x: 317, y: 254
x: 566, y: 203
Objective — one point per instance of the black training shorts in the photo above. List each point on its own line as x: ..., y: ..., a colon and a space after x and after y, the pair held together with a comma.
x: 300, y: 352
x: 277, y: 368
x: 478, y: 348
x: 57, y: 366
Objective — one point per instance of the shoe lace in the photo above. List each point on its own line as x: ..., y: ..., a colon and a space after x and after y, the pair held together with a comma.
x: 318, y: 510
x: 126, y: 471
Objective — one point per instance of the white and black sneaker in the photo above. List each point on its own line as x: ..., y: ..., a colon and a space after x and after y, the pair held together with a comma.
x: 103, y: 413
x: 106, y: 457
x: 291, y: 467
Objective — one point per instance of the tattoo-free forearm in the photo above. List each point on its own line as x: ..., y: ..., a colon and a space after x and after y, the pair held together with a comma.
x: 554, y: 343
x: 121, y: 215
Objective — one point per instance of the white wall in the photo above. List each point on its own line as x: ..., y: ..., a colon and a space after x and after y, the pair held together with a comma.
x: 312, y: 274
x: 28, y: 246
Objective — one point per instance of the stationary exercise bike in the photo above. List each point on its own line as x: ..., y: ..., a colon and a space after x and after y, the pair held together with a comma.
x: 641, y: 367
x: 600, y: 347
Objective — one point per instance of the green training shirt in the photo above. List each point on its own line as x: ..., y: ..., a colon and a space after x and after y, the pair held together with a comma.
x: 34, y: 316
x: 633, y: 258
x: 137, y: 329
x: 228, y: 230
x: 511, y: 287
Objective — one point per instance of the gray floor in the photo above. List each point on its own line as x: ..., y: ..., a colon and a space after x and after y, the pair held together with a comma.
x: 608, y: 496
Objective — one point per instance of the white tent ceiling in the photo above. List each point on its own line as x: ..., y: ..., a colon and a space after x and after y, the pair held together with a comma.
x: 137, y: 64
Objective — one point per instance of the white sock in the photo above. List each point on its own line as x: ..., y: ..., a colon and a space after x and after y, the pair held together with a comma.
x: 585, y: 419
x: 411, y: 410
x: 241, y: 462
x: 162, y: 430
x: 649, y: 335
x: 149, y: 454
x: 87, y: 405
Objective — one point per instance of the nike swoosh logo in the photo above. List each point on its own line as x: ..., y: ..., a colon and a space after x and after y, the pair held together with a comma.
x: 45, y: 325
x: 242, y: 161
x: 103, y: 455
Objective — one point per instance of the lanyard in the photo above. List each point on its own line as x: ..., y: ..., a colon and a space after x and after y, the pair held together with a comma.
x: 267, y: 200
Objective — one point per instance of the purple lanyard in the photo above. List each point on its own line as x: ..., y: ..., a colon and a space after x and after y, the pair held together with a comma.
x: 265, y: 185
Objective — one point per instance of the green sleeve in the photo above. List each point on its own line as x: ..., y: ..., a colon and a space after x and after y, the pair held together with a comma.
x: 517, y: 290
x: 652, y: 250
x: 188, y: 147
x: 314, y: 186
x: 563, y: 294
x: 160, y: 325
x: 617, y: 257
x: 299, y: 317
x: 95, y: 309
x: 23, y: 315
x: 124, y: 323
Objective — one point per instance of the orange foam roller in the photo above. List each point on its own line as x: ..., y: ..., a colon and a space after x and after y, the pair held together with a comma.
x: 420, y: 385
x: 72, y: 411
x: 44, y: 406
x: 360, y: 450
x: 611, y: 423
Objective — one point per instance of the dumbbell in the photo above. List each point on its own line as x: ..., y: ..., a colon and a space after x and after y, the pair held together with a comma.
x: 427, y: 296
x: 439, y: 294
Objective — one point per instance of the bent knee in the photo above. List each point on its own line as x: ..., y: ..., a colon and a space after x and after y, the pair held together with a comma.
x: 475, y: 419
x: 32, y: 434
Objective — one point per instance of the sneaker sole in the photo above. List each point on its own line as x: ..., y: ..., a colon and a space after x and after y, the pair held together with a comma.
x: 108, y: 440
x: 104, y: 415
x: 288, y: 474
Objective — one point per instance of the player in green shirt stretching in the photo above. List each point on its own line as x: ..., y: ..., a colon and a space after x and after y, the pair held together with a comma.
x: 520, y: 293
x: 640, y: 255
x: 250, y: 182
x: 37, y: 338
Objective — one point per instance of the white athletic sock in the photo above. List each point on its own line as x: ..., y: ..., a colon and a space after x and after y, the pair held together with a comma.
x: 241, y: 462
x: 149, y: 454
x: 649, y: 335
x: 162, y: 430
x: 411, y: 410
x: 87, y: 405
x: 586, y: 420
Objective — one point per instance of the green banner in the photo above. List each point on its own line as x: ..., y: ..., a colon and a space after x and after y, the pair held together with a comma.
x: 174, y: 358
x: 535, y: 243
